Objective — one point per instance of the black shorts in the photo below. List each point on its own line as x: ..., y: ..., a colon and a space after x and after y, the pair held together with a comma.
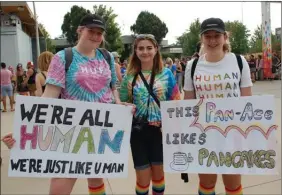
x: 147, y: 147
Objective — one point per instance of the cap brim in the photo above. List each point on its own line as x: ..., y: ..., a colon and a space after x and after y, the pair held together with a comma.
x: 215, y: 29
x: 96, y: 26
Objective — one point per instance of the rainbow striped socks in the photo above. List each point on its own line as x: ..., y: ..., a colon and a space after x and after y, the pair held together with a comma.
x: 142, y: 190
x: 206, y: 191
x: 238, y: 191
x: 100, y: 190
x: 158, y: 186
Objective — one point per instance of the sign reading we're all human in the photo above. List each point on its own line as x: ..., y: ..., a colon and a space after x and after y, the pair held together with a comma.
x: 70, y: 139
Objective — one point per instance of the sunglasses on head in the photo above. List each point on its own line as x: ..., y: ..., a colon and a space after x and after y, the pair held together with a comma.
x: 140, y: 36
x: 146, y: 36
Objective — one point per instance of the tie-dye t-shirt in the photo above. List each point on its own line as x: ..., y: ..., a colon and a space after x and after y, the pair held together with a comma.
x: 165, y: 88
x: 88, y: 79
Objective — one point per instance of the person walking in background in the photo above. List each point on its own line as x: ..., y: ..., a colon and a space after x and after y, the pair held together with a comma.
x: 21, y: 76
x: 259, y: 67
x: 30, y: 78
x: 179, y: 74
x: 171, y: 66
x: 6, y: 87
x: 252, y: 65
x: 13, y: 80
x: 43, y: 62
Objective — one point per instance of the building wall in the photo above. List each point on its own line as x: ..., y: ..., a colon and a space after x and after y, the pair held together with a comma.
x: 24, y: 47
x: 9, y: 46
x: 42, y: 46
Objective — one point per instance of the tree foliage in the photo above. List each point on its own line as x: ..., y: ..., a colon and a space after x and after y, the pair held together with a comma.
x: 113, y: 34
x: 149, y: 23
x: 71, y: 22
x: 256, y: 41
x: 239, y: 35
x: 46, y: 35
x: 189, y: 39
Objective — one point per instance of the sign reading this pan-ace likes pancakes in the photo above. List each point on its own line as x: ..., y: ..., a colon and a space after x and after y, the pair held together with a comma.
x: 70, y: 139
x: 220, y: 136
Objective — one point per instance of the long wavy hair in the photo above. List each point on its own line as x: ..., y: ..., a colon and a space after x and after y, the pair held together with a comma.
x: 134, y: 65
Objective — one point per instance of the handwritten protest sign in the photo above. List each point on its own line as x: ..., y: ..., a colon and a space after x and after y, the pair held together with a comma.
x: 70, y: 139
x: 223, y: 136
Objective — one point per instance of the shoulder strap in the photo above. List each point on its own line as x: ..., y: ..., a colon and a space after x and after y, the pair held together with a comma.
x: 240, y: 65
x: 193, y: 68
x: 107, y: 57
x: 149, y: 88
x: 105, y: 54
x: 43, y: 75
x: 68, y: 58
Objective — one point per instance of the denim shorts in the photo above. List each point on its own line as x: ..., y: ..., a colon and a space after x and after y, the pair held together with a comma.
x: 147, y: 147
x: 6, y: 90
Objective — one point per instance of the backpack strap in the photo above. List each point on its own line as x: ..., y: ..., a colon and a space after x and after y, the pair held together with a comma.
x: 107, y: 57
x: 240, y: 65
x: 193, y: 68
x: 68, y: 58
x: 105, y: 54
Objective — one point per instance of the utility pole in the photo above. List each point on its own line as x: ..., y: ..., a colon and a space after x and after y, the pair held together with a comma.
x: 37, y: 35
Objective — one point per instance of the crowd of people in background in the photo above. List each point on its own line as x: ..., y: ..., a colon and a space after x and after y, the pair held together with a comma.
x: 257, y: 66
x: 29, y: 82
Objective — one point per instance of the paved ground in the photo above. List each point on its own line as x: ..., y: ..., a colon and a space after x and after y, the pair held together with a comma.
x: 174, y: 185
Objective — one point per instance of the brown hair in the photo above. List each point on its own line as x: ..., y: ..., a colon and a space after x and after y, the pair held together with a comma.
x: 134, y: 65
x: 44, y: 60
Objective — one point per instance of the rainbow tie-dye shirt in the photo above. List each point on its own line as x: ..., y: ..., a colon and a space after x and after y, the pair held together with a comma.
x: 165, y: 88
x: 88, y: 79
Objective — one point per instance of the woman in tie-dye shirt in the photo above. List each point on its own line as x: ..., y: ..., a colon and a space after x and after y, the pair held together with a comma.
x: 146, y: 143
x: 89, y: 78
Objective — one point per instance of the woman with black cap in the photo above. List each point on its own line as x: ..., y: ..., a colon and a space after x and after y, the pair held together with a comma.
x: 89, y: 77
x: 217, y: 60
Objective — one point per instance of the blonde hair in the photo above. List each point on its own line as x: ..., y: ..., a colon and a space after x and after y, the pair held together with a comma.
x: 168, y: 60
x: 227, y: 45
x: 44, y: 60
x: 134, y: 65
x: 202, y: 50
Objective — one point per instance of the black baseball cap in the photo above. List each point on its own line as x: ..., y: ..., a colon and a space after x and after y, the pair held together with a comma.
x: 92, y: 21
x: 215, y: 24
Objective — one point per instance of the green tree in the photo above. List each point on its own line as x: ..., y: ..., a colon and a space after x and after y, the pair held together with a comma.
x: 239, y: 35
x: 71, y: 22
x: 256, y: 42
x: 189, y: 39
x: 149, y: 23
x: 46, y: 35
x: 113, y: 34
